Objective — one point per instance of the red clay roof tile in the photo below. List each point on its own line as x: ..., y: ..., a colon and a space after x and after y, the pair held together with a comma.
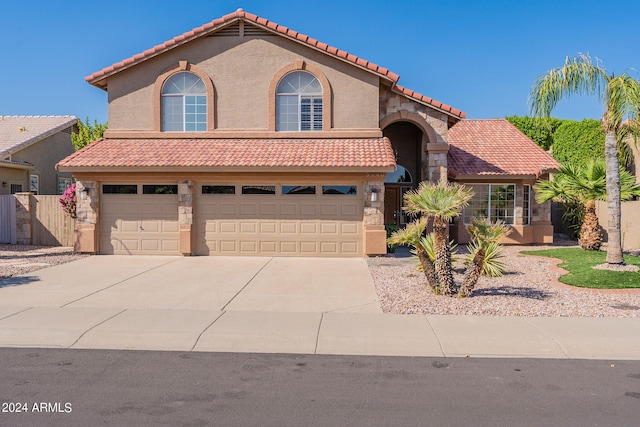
x: 241, y: 14
x: 495, y: 147
x: 234, y: 153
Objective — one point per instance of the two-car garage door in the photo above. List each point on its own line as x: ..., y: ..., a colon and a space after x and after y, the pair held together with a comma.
x: 269, y: 220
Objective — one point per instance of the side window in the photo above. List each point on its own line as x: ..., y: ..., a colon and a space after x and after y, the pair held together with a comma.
x: 34, y: 183
x: 184, y: 103
x: 299, y: 103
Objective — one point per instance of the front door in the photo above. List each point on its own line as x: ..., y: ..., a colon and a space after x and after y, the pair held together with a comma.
x: 393, y: 203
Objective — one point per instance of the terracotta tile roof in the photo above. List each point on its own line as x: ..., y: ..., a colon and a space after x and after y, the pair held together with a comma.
x: 494, y: 148
x: 240, y: 14
x: 432, y: 102
x: 18, y: 132
x: 233, y: 153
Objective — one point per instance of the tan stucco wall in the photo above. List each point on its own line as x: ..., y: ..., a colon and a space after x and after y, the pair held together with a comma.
x: 241, y: 70
x: 44, y: 155
x: 629, y: 223
x: 13, y: 176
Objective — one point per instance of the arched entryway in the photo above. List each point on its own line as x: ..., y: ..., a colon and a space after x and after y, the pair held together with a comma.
x: 407, y: 140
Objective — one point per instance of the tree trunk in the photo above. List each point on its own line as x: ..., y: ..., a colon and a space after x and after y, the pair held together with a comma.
x: 429, y: 270
x: 614, y: 208
x: 442, y: 262
x: 590, y: 235
x: 472, y: 274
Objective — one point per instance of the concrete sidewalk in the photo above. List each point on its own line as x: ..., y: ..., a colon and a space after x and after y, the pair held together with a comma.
x: 273, y: 305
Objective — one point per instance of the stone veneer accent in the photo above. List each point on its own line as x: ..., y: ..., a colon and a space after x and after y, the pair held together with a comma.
x: 391, y: 102
x: 23, y: 218
x: 86, y: 239
x: 375, y: 240
x: 185, y: 215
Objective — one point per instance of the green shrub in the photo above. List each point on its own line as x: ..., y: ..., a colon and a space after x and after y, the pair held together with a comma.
x: 577, y: 142
x: 538, y: 129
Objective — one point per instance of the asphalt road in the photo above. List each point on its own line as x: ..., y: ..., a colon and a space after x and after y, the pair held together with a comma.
x: 97, y: 387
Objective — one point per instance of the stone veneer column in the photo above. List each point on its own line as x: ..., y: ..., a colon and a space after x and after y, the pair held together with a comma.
x: 87, y: 202
x: 23, y: 218
x: 185, y: 215
x: 375, y: 239
x: 438, y: 167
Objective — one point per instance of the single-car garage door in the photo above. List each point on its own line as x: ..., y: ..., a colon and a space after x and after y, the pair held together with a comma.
x: 282, y: 219
x: 139, y: 219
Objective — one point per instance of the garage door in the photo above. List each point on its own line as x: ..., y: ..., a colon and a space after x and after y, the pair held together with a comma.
x: 286, y: 220
x: 139, y: 220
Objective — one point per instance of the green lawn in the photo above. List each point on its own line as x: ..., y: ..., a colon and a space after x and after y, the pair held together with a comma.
x: 579, y: 263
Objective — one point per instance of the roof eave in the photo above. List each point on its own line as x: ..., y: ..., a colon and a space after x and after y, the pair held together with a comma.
x: 212, y: 169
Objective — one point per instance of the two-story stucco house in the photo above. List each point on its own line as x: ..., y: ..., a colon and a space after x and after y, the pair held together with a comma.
x: 245, y: 137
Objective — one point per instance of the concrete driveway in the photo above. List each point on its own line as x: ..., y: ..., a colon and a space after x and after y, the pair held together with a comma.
x: 315, y: 285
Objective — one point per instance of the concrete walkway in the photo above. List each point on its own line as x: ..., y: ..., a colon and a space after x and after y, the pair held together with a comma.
x: 280, y: 305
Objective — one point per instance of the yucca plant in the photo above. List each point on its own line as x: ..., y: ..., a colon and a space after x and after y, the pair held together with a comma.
x: 484, y: 252
x: 442, y: 202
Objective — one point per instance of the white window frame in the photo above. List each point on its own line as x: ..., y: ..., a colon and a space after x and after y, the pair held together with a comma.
x: 313, y: 99
x: 464, y: 212
x: 184, y: 97
x: 526, y: 204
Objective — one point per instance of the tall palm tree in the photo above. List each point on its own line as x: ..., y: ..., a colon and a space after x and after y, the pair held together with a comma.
x: 584, y: 185
x: 620, y: 96
x: 442, y: 202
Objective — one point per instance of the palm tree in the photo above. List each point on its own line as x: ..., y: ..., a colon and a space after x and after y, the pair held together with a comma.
x: 442, y: 202
x: 583, y: 185
x: 621, y: 100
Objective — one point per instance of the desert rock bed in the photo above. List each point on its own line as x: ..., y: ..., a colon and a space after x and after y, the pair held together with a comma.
x: 529, y: 288
x: 22, y: 259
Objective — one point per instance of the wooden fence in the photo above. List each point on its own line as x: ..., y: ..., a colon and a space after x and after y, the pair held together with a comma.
x: 8, y: 219
x: 50, y: 226
x: 45, y: 224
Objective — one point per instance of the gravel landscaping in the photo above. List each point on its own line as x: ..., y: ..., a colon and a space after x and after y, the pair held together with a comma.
x: 530, y: 288
x: 21, y: 259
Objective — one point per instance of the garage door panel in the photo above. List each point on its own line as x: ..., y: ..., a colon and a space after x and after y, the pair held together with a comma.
x: 349, y: 228
x: 127, y: 226
x: 308, y: 228
x: 308, y: 247
x: 308, y: 210
x: 278, y: 224
x: 268, y: 209
x: 289, y: 209
x: 268, y: 227
x: 329, y: 210
x: 139, y: 224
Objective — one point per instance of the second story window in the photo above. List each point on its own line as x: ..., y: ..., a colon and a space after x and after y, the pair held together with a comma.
x: 299, y: 103
x: 184, y: 104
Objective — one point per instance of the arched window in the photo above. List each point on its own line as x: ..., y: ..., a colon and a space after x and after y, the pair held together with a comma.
x: 299, y: 103
x: 400, y: 175
x: 184, y: 103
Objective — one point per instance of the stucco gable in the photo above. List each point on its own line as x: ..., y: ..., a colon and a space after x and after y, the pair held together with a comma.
x: 240, y: 23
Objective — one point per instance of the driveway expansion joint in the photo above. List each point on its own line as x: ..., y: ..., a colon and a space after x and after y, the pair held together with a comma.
x: 95, y: 326
x: 246, y: 284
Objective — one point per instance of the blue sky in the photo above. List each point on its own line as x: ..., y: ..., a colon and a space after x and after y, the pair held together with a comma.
x: 481, y: 57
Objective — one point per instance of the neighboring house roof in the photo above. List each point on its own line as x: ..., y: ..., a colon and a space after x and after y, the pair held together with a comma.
x: 97, y: 78
x: 18, y: 132
x: 229, y: 154
x: 495, y: 148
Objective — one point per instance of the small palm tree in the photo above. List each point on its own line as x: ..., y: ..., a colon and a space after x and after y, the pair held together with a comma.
x: 620, y: 96
x: 584, y: 185
x: 442, y: 202
x: 484, y: 252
